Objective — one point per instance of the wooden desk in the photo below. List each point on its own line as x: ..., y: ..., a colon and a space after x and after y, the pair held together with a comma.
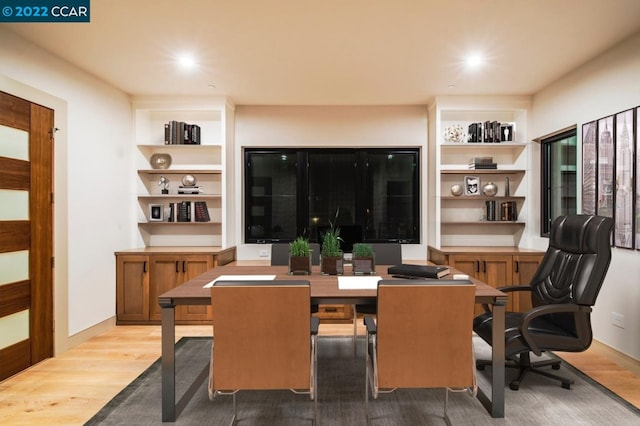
x: 324, y: 289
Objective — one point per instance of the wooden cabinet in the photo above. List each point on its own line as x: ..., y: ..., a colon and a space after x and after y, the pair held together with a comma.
x: 496, y: 266
x: 142, y: 277
x: 132, y: 287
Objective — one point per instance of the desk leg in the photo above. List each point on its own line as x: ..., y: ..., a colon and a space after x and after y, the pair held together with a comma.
x: 497, y: 360
x: 168, y: 363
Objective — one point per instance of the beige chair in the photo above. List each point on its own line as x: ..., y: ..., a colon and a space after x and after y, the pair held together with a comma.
x: 422, y: 338
x: 264, y: 338
x: 385, y: 254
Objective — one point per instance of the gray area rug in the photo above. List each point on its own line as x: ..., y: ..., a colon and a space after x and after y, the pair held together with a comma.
x: 539, y: 401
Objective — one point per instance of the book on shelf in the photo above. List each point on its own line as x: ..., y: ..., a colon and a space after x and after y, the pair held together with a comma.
x: 418, y: 271
x: 184, y: 211
x: 189, y: 189
x: 491, y: 210
x: 483, y: 166
x: 491, y: 131
x: 201, y: 213
x: 508, y: 211
x: 181, y: 133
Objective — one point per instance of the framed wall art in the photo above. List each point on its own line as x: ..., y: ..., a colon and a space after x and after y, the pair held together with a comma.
x: 606, y: 162
x: 624, y: 199
x: 589, y: 167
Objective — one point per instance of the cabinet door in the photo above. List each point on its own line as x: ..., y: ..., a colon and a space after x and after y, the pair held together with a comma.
x: 166, y: 273
x: 192, y: 266
x: 497, y: 271
x: 524, y: 266
x: 132, y: 288
x: 467, y: 263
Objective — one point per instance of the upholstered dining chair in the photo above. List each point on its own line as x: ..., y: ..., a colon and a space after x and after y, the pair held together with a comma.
x: 563, y: 291
x: 422, y: 338
x: 263, y: 338
x: 385, y: 254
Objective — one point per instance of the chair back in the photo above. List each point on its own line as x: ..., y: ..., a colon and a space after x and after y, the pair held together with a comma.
x: 280, y: 254
x: 424, y: 333
x: 261, y: 335
x: 388, y: 253
x: 576, y: 262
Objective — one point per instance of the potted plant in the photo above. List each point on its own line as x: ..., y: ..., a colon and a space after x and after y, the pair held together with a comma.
x: 364, y: 261
x: 331, y: 262
x: 299, y: 257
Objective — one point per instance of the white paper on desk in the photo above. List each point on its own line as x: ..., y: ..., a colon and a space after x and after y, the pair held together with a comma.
x: 241, y: 278
x: 358, y: 283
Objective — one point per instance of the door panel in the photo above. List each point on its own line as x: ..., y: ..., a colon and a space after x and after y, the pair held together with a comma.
x: 26, y: 256
x: 165, y: 274
x: 193, y: 266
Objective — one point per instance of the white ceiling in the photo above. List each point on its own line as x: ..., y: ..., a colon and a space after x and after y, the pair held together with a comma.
x: 336, y: 52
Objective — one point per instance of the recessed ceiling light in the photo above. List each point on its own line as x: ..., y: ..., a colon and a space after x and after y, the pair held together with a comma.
x: 186, y: 61
x: 474, y: 61
x: 211, y: 86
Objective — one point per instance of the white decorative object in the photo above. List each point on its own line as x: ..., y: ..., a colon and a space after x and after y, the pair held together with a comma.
x: 455, y: 133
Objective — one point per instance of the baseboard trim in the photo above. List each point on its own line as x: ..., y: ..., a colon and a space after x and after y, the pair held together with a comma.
x: 90, y: 332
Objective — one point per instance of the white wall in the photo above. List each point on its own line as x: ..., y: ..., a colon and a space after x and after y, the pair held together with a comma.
x: 330, y: 126
x: 92, y: 193
x: 604, y: 86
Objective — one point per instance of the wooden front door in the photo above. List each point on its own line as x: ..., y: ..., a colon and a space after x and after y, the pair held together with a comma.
x: 26, y: 234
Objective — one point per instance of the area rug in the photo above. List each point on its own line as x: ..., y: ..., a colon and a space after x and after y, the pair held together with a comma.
x: 341, y: 379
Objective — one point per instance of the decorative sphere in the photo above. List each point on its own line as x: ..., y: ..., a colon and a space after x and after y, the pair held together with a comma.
x: 189, y: 180
x: 160, y: 161
x: 456, y: 189
x: 490, y: 189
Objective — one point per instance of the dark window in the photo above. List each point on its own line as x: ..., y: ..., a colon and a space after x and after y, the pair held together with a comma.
x: 558, y: 178
x: 375, y: 193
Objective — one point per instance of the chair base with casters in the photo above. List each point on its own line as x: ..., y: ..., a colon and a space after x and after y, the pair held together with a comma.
x: 524, y: 364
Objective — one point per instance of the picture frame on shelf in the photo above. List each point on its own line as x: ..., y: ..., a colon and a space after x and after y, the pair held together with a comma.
x: 156, y: 212
x: 472, y: 185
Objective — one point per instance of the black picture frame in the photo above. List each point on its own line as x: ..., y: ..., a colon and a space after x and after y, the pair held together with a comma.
x: 606, y: 165
x: 623, y: 234
x: 589, y: 167
x: 156, y: 212
x: 471, y: 185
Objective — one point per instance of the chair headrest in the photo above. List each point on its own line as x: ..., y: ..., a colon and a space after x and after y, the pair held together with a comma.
x: 581, y: 233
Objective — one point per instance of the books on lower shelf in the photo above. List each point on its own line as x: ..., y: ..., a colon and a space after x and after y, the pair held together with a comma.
x: 189, y: 211
x: 508, y: 211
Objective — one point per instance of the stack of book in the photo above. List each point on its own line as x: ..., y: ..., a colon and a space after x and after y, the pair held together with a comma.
x: 181, y: 133
x: 482, y: 163
x: 491, y: 132
x: 491, y: 210
x: 189, y: 189
x: 508, y: 211
x: 188, y: 211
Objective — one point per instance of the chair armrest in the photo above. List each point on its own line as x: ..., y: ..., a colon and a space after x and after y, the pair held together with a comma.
x: 370, y: 324
x: 541, y: 311
x: 508, y: 289
x: 315, y: 324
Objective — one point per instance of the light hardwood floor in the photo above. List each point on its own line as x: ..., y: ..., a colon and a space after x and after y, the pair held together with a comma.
x: 71, y: 388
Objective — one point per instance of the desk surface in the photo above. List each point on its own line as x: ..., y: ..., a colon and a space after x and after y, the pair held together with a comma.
x: 322, y: 286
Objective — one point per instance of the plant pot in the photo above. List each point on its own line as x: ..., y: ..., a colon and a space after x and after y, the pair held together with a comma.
x: 299, y: 265
x: 331, y: 265
x: 364, y: 265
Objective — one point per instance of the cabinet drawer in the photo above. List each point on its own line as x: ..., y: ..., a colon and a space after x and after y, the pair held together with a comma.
x: 334, y: 312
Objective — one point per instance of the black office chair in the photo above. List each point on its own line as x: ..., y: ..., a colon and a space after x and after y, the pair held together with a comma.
x: 385, y: 254
x: 563, y: 291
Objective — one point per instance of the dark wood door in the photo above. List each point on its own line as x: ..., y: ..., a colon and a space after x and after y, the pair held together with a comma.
x: 26, y: 234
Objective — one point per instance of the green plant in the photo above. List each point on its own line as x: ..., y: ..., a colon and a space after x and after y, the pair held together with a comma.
x: 331, y: 239
x: 299, y: 247
x: 362, y: 250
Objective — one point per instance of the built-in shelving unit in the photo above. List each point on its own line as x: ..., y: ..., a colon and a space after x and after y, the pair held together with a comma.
x: 207, y: 162
x: 461, y: 220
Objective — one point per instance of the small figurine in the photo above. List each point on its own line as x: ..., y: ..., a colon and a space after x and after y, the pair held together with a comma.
x: 164, y: 183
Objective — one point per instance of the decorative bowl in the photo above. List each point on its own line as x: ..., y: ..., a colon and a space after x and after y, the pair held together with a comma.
x: 160, y: 161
